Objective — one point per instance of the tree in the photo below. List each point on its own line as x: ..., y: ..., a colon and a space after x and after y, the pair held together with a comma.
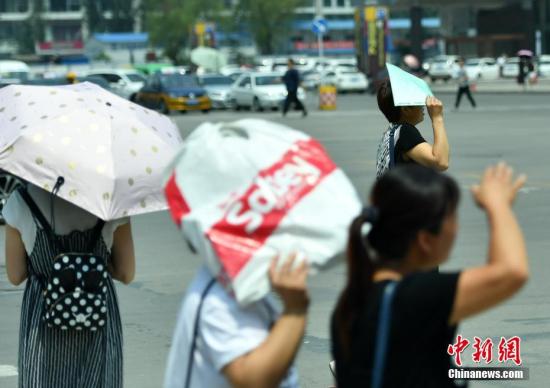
x: 170, y: 22
x: 268, y: 20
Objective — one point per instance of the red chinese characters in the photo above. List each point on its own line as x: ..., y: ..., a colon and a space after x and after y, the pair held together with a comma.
x: 483, y: 350
x: 509, y: 350
x: 457, y: 349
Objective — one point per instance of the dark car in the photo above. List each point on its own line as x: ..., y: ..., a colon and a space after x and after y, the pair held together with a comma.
x: 174, y: 92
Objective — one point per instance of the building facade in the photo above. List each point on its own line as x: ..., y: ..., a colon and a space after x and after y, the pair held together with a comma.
x: 56, y: 27
x: 340, y: 38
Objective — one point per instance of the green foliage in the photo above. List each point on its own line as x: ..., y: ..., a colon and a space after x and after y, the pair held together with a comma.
x: 269, y: 21
x: 170, y: 22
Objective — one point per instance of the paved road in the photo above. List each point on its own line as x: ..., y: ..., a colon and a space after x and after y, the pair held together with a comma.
x: 510, y: 127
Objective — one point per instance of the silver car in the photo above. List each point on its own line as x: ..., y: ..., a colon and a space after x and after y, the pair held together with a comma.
x: 124, y: 82
x: 218, y: 87
x: 261, y: 90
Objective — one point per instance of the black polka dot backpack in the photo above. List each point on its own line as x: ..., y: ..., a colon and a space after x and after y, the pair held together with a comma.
x: 75, y: 291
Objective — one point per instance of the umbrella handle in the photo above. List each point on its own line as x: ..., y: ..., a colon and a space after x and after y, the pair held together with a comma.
x: 60, y: 181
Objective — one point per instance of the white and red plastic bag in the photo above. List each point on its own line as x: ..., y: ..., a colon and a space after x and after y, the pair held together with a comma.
x: 246, y: 191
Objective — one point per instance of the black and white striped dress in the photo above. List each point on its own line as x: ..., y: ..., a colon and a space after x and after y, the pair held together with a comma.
x: 51, y: 358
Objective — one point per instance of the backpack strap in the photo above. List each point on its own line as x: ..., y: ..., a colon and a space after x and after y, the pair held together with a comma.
x: 392, y: 142
x: 96, y: 234
x: 196, y: 333
x: 380, y: 348
x: 38, y: 215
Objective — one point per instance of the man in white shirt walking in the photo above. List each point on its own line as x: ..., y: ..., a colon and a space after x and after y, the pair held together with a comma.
x: 463, y: 85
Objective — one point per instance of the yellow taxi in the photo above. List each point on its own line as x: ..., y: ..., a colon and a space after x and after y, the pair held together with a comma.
x: 174, y: 92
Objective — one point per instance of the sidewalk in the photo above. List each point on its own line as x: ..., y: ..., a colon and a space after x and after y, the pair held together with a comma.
x: 495, y: 86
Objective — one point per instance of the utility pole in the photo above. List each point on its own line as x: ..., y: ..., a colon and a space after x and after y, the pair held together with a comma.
x: 319, y: 15
x: 416, y: 30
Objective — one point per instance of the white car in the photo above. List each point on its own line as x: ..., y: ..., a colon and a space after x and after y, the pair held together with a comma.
x: 261, y: 90
x: 482, y: 68
x: 443, y: 67
x: 311, y: 79
x: 14, y: 72
x: 346, y: 80
x: 218, y: 87
x: 544, y: 65
x: 124, y: 82
x: 511, y: 68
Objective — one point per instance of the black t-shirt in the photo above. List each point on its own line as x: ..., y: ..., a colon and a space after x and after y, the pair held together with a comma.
x: 409, y: 137
x: 418, y: 338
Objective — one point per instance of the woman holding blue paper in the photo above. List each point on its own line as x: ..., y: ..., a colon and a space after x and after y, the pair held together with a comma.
x: 402, y: 142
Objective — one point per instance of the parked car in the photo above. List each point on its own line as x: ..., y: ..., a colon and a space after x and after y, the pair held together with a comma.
x: 99, y: 81
x: 311, y: 79
x: 443, y: 67
x: 261, y: 90
x: 511, y: 68
x: 218, y: 88
x: 174, y: 92
x: 346, y: 80
x: 544, y: 65
x: 482, y: 68
x: 14, y: 72
x: 152, y: 67
x: 124, y: 82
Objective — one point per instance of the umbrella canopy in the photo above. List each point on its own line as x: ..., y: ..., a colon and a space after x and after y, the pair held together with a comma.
x: 525, y: 53
x: 208, y: 58
x: 110, y: 152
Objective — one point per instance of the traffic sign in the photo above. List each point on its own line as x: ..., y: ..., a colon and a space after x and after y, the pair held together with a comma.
x: 319, y: 26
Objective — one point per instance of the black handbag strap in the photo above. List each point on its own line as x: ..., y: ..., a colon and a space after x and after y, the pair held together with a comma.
x: 38, y: 216
x: 381, y: 346
x: 196, y: 333
x: 96, y: 234
x: 393, y: 129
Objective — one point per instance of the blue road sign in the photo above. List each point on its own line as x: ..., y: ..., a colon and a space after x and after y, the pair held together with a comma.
x: 319, y: 26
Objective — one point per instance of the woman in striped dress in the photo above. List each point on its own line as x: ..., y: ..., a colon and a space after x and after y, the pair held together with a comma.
x: 49, y: 357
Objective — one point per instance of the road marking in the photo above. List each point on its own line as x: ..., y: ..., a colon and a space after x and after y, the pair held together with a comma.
x: 8, y: 371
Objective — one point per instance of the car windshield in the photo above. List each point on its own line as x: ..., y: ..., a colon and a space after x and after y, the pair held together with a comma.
x: 136, y: 77
x: 216, y: 81
x: 21, y: 75
x: 472, y: 62
x: 268, y: 80
x: 179, y: 81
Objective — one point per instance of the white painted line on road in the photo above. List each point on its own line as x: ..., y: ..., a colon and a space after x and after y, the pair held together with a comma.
x: 8, y: 371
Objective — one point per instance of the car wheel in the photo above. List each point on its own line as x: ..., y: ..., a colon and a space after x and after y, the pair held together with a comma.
x: 256, y: 107
x: 205, y: 111
x: 432, y: 79
x: 133, y: 98
x: 445, y: 79
x: 163, y: 108
x: 8, y: 183
x: 236, y: 106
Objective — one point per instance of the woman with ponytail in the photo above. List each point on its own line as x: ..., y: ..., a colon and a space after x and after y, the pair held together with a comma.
x: 395, y: 311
